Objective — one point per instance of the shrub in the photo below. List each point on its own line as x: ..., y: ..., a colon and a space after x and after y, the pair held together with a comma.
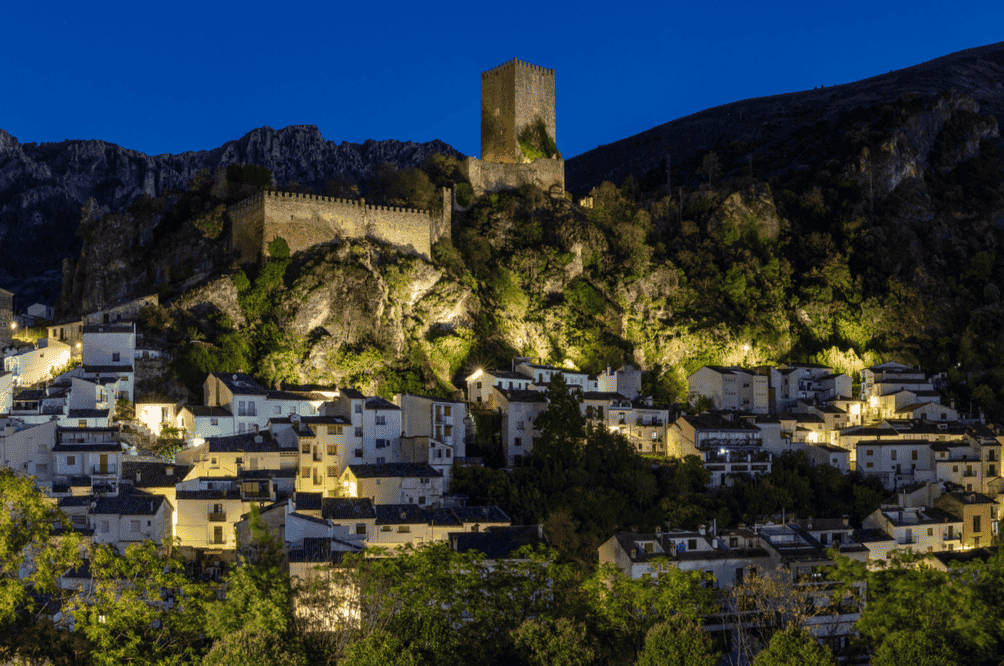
x: 535, y: 142
x: 465, y: 194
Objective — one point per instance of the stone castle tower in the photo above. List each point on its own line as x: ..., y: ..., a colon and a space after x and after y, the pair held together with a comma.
x: 513, y: 96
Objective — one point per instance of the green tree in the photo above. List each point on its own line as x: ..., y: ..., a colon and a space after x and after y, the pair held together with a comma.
x: 140, y: 607
x: 795, y: 647
x: 27, y: 544
x: 248, y: 646
x: 560, y: 642
x: 627, y: 608
x: 562, y: 426
x: 678, y: 643
x: 259, y: 595
x: 381, y: 649
x: 711, y: 167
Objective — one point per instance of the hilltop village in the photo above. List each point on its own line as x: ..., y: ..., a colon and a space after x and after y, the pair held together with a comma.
x: 331, y: 472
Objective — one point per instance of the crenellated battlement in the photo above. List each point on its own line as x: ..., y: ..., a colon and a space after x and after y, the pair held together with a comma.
x: 516, y: 63
x: 305, y: 220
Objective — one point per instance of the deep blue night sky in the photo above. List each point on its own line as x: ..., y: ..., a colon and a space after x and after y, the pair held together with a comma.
x: 172, y: 77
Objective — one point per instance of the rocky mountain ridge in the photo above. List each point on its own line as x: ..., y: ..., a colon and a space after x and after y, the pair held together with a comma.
x: 43, y: 186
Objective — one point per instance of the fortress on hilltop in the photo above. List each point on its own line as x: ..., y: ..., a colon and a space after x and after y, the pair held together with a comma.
x: 513, y: 96
x: 305, y: 220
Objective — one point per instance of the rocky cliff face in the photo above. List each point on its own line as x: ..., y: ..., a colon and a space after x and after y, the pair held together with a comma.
x: 43, y: 187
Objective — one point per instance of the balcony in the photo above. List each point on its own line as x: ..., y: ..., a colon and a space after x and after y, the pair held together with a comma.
x: 217, y: 516
x: 103, y: 470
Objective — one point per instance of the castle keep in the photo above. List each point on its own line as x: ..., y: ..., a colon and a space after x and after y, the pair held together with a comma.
x: 513, y: 96
x: 305, y: 220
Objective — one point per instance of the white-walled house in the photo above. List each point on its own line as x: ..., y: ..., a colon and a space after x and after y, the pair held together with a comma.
x: 132, y: 516
x: 36, y: 365
x: 520, y: 410
x: 207, y: 511
x: 394, y: 483
x: 481, y: 384
x: 200, y: 422
x: 42, y: 311
x: 27, y: 449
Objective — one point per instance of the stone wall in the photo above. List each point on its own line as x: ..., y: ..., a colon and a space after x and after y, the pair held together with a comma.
x: 488, y: 176
x: 513, y: 95
x: 6, y: 317
x: 305, y: 220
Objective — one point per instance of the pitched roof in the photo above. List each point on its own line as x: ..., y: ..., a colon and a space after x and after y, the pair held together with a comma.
x: 390, y: 470
x: 153, y: 474
x: 208, y: 411
x: 347, y: 508
x: 248, y: 442
x: 240, y: 383
x: 498, y: 542
x: 307, y: 501
x: 397, y: 514
x: 129, y: 502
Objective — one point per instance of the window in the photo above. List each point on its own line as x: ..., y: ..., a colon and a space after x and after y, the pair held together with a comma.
x: 334, y: 429
x: 305, y: 472
x: 893, y: 454
x: 692, y: 544
x: 381, y: 443
x: 733, y: 542
x: 381, y: 420
x: 519, y: 425
x: 360, y: 528
x: 479, y: 384
x: 955, y: 468
x: 930, y: 531
x: 332, y: 471
x: 134, y: 526
x: 71, y: 460
x: 517, y: 442
x: 239, y: 460
x: 358, y: 408
x: 241, y: 428
x: 869, y: 465
x: 82, y: 423
x: 278, y: 409
x: 403, y: 529
x: 913, y: 454
x: 105, y: 527
x: 449, y: 453
x: 332, y: 450
x: 214, y: 422
x: 115, y: 357
x: 381, y: 461
x: 305, y: 447
x: 212, y: 462
x: 292, y: 409
x: 359, y: 432
x: 869, y: 452
x: 421, y: 499
x: 976, y: 524
x: 359, y: 453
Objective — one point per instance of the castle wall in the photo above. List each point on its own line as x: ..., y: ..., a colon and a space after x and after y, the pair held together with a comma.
x: 305, y: 220
x: 486, y: 176
x: 513, y: 95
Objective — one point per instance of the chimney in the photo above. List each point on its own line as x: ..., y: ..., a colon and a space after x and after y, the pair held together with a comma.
x: 701, y: 530
x: 634, y: 553
x: 137, y: 477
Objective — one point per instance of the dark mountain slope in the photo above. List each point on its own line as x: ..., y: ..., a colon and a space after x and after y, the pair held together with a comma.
x: 760, y: 130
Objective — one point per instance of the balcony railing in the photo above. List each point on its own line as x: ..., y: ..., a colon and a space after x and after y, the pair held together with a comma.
x: 103, y: 469
x: 217, y: 517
